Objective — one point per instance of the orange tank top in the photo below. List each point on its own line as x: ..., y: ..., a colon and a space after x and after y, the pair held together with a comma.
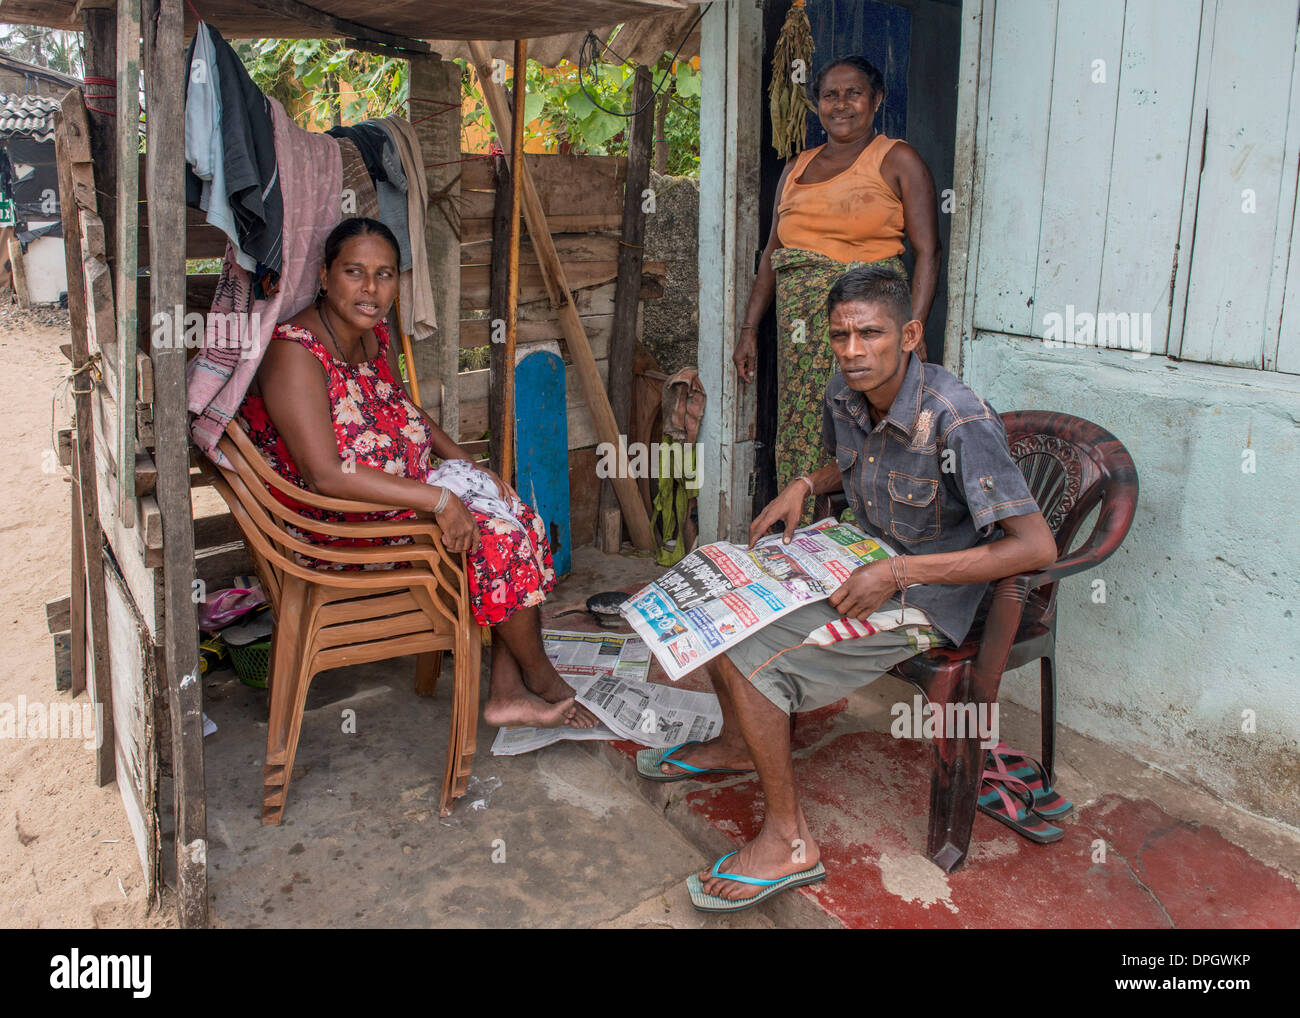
x: 854, y: 216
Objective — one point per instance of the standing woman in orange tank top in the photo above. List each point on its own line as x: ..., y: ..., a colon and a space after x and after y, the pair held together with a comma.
x: 846, y: 203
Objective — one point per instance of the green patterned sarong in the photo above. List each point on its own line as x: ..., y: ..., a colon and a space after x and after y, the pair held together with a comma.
x: 804, y: 361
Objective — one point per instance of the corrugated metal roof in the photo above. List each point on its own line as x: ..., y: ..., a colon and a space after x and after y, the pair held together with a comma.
x: 29, y: 116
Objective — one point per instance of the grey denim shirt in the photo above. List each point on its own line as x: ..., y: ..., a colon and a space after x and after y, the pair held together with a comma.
x: 935, y: 475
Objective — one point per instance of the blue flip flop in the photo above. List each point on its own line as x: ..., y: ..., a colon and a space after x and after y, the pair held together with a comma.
x: 648, y: 761
x: 712, y: 903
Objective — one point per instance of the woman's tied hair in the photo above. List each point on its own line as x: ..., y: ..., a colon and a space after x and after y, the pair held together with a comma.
x: 874, y: 78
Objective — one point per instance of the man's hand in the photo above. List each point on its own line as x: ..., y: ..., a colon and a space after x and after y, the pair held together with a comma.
x: 867, y: 588
x: 787, y: 506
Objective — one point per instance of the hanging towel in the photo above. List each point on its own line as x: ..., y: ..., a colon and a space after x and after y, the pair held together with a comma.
x: 356, y: 183
x: 311, y: 180
x: 414, y: 288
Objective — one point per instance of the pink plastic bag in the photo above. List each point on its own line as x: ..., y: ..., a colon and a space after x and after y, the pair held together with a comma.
x: 225, y: 606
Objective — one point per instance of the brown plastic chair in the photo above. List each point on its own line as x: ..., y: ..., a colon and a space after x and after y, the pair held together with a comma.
x: 331, y: 618
x: 1073, y: 467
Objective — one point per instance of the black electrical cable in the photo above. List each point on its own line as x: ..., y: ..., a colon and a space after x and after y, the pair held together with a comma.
x: 592, y: 42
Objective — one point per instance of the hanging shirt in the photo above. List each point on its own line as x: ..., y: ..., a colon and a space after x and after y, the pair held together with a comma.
x: 205, y: 178
x: 248, y: 150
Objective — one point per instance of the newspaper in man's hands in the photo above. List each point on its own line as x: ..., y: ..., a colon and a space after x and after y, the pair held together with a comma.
x: 721, y: 593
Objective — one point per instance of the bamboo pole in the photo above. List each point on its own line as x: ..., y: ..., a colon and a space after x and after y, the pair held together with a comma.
x: 634, y: 513
x: 512, y: 272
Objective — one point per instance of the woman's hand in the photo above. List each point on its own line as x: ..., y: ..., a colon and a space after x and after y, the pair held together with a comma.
x: 865, y: 591
x: 459, y: 528
x: 746, y: 355
x: 506, y: 492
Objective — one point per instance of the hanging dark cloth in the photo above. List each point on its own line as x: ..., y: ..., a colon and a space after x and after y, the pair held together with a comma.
x: 248, y: 143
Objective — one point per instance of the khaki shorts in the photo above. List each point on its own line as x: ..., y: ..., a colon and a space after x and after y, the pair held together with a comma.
x: 800, y: 677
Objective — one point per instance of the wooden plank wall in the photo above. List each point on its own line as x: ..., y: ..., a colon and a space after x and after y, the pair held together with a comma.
x: 1126, y: 188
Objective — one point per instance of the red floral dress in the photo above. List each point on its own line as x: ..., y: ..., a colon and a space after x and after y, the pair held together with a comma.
x: 377, y: 425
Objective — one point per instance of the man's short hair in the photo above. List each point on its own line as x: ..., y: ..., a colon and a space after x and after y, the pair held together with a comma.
x: 873, y: 284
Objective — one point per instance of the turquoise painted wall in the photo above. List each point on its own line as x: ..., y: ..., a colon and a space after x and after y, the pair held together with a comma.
x: 1199, y: 622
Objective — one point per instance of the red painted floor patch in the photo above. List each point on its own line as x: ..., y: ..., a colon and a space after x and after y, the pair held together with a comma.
x: 866, y: 797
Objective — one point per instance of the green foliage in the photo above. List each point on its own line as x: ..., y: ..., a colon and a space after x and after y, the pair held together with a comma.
x: 567, y: 115
x: 307, y: 75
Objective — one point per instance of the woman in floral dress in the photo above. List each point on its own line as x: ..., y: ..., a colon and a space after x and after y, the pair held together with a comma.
x: 329, y: 414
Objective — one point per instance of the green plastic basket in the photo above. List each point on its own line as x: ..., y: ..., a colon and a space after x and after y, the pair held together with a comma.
x: 252, y: 663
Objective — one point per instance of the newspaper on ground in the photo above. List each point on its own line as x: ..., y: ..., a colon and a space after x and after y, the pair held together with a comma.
x: 608, y: 672
x: 721, y: 593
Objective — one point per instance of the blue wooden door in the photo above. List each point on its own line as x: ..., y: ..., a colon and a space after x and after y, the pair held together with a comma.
x: 542, y: 446
x: 882, y: 33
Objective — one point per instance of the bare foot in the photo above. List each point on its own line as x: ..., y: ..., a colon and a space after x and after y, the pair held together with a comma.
x: 553, y: 689
x: 768, y: 857
x: 714, y: 753
x: 533, y: 711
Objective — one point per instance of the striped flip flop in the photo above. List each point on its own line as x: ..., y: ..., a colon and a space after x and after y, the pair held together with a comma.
x: 712, y: 903
x: 1048, y: 803
x: 1008, y: 800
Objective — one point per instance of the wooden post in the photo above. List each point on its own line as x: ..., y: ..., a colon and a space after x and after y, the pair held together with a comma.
x: 164, y: 67
x: 19, y: 270
x: 128, y: 238
x: 731, y: 104
x: 498, y: 305
x: 507, y: 468
x: 72, y: 144
x: 557, y: 285
x: 627, y: 292
x: 99, y: 50
x: 435, y: 105
x: 77, y: 572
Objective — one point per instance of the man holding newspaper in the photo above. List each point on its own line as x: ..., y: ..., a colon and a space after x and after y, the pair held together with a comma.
x: 925, y: 465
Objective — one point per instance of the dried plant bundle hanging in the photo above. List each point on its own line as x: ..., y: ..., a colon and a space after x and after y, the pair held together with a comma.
x: 788, y: 95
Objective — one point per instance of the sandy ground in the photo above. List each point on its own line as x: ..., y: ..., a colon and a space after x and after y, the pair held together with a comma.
x: 67, y: 858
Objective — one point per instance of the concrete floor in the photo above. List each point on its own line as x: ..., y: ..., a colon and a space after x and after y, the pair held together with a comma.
x: 585, y: 843
x: 362, y: 843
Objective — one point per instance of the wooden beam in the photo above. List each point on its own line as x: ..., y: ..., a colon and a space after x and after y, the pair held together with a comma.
x: 72, y: 145
x: 99, y: 52
x: 128, y: 220
x: 634, y: 513
x: 435, y: 87
x: 627, y: 293
x: 382, y: 50
x: 19, y: 270
x: 164, y: 66
x: 498, y: 303
x: 731, y: 105
x: 507, y: 467
x: 309, y: 15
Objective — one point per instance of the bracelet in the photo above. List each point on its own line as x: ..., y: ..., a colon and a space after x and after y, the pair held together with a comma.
x: 442, y: 501
x: 897, y: 565
x: 748, y: 326
x: 812, y: 488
